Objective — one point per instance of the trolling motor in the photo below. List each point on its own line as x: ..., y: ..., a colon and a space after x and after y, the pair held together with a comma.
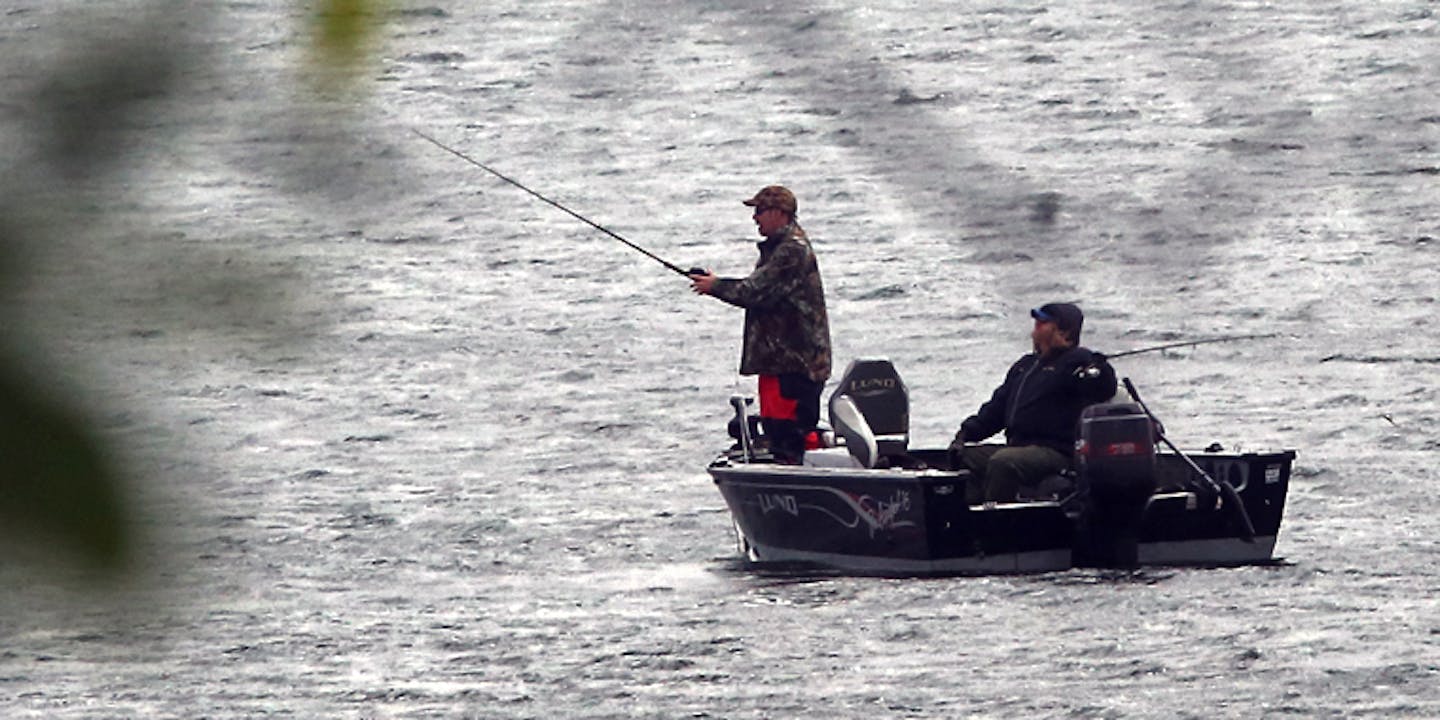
x: 744, y: 427
x: 1116, y: 459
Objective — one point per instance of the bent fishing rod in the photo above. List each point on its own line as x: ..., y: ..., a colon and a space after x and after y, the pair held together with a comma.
x: 670, y: 266
x: 1220, y: 485
x: 1167, y: 346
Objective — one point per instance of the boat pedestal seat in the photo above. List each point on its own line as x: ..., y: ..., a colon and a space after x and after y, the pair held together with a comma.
x: 849, y: 424
x: 876, y: 407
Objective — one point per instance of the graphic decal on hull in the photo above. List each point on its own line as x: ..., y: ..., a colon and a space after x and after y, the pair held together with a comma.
x: 775, y: 501
x: 875, y: 513
x: 883, y: 514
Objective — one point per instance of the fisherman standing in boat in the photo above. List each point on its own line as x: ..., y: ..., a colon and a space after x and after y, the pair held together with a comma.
x: 1038, y: 407
x: 787, y: 330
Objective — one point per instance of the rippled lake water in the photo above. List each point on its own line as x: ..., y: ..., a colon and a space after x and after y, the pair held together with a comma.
x: 428, y: 447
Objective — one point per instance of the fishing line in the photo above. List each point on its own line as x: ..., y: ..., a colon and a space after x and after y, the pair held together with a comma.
x: 1167, y: 346
x: 670, y: 266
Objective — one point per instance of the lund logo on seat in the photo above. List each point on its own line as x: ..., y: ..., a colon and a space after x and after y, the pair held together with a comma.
x: 871, y: 386
x: 786, y: 503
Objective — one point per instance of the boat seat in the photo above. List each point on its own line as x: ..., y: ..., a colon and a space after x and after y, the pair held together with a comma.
x: 851, y: 425
x: 831, y: 457
x: 880, y: 397
x: 1050, y: 487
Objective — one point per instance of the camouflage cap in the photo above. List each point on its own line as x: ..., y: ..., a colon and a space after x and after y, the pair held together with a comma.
x: 773, y: 196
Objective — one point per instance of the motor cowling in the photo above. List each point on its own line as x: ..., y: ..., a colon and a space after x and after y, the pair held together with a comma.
x: 1115, y: 455
x: 1116, y: 450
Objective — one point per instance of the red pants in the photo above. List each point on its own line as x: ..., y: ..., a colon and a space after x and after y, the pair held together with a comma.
x: 773, y: 405
x: 783, y: 413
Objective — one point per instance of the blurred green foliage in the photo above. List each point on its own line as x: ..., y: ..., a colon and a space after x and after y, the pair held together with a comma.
x: 58, y: 488
x: 63, y: 489
x: 344, y: 37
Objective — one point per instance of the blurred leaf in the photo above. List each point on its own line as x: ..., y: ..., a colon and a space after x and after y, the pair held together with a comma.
x: 345, y: 30
x: 56, y: 486
x: 87, y: 105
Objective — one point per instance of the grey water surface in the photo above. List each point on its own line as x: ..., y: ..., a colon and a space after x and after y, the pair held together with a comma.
x: 453, y: 464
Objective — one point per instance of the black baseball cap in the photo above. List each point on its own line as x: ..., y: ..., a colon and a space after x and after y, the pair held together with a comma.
x: 1066, y: 316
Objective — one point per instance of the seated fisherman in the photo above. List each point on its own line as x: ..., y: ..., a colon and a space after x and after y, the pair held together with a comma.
x: 1038, y: 407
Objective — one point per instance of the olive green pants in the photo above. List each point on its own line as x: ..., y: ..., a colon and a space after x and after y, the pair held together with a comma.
x: 999, y: 472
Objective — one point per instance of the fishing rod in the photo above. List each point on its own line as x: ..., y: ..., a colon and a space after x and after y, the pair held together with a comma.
x: 1222, y: 486
x: 670, y: 266
x: 1167, y: 346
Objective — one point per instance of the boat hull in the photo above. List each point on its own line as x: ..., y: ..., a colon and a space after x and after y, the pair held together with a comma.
x: 916, y: 522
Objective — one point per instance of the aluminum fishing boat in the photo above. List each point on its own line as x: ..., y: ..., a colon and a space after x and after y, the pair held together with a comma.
x: 870, y: 504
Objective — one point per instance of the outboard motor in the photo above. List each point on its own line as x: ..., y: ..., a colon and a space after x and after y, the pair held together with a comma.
x: 1116, y: 458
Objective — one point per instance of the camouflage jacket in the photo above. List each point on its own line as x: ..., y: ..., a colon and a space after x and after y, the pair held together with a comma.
x: 786, y: 327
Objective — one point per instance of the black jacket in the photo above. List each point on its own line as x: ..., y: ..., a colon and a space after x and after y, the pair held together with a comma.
x: 1041, y: 399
